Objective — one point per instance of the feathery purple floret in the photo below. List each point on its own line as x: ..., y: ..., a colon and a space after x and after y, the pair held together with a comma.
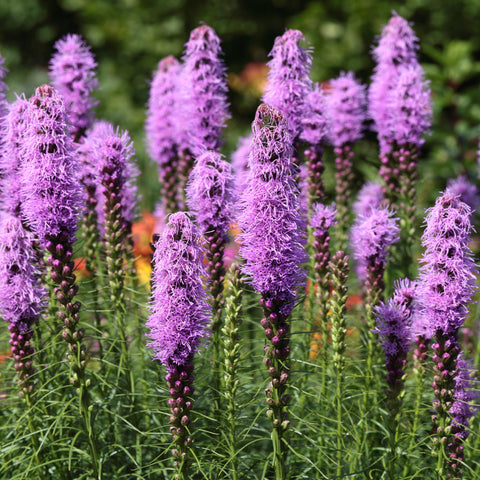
x: 410, y: 108
x: 314, y: 123
x: 50, y: 189
x: 369, y: 197
x: 397, y: 44
x: 21, y: 296
x: 204, y: 91
x: 10, y: 157
x: 72, y: 72
x: 272, y: 238
x: 179, y: 310
x: 323, y: 216
x: 210, y: 193
x: 466, y: 392
x: 393, y: 329
x: 160, y: 126
x: 288, y: 81
x: 466, y: 190
x: 373, y: 233
x: 448, y: 273
x: 345, y: 109
x: 399, y: 96
x: 114, y: 154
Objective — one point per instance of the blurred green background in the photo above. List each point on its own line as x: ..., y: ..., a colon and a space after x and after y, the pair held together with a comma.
x: 129, y: 37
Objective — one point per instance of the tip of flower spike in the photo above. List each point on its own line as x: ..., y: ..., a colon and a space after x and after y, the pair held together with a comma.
x: 204, y: 36
x: 180, y: 227
x: 268, y: 116
x: 44, y: 91
x: 167, y: 63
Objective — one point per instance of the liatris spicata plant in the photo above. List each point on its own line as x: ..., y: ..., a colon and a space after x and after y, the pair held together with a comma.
x: 314, y: 132
x: 447, y: 284
x: 51, y: 201
x: 204, y: 92
x: 338, y: 267
x: 160, y: 128
x: 393, y: 325
x: 272, y: 244
x: 210, y: 195
x: 323, y: 217
x: 113, y: 156
x: 179, y: 315
x: 22, y: 298
x: 345, y: 110
x: 400, y: 105
x: 371, y: 235
x: 72, y: 72
x: 288, y: 82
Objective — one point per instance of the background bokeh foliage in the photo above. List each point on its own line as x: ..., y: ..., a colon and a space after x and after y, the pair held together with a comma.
x: 129, y: 37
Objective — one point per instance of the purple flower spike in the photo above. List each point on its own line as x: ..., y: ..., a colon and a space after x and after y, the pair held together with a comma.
x: 204, y: 91
x: 466, y: 392
x: 72, y: 72
x: 50, y: 187
x: 114, y: 154
x: 288, y: 79
x: 272, y: 235
x: 398, y: 42
x: 161, y: 128
x: 447, y: 274
x: 210, y: 194
x: 370, y: 237
x: 410, y: 108
x: 466, y: 190
x: 11, y: 157
x: 323, y: 216
x: 21, y: 296
x: 314, y: 122
x: 314, y: 132
x: 370, y: 197
x: 345, y: 106
x: 179, y: 310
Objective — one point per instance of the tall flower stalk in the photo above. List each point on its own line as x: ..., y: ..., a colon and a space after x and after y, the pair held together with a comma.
x: 51, y: 196
x: 371, y: 235
x: 72, y: 72
x: 400, y: 105
x: 314, y: 133
x: 210, y: 196
x: 116, y: 173
x: 393, y: 326
x: 345, y: 109
x: 178, y: 319
x: 288, y: 82
x: 447, y: 285
x: 272, y: 244
x: 160, y: 129
x: 202, y: 98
